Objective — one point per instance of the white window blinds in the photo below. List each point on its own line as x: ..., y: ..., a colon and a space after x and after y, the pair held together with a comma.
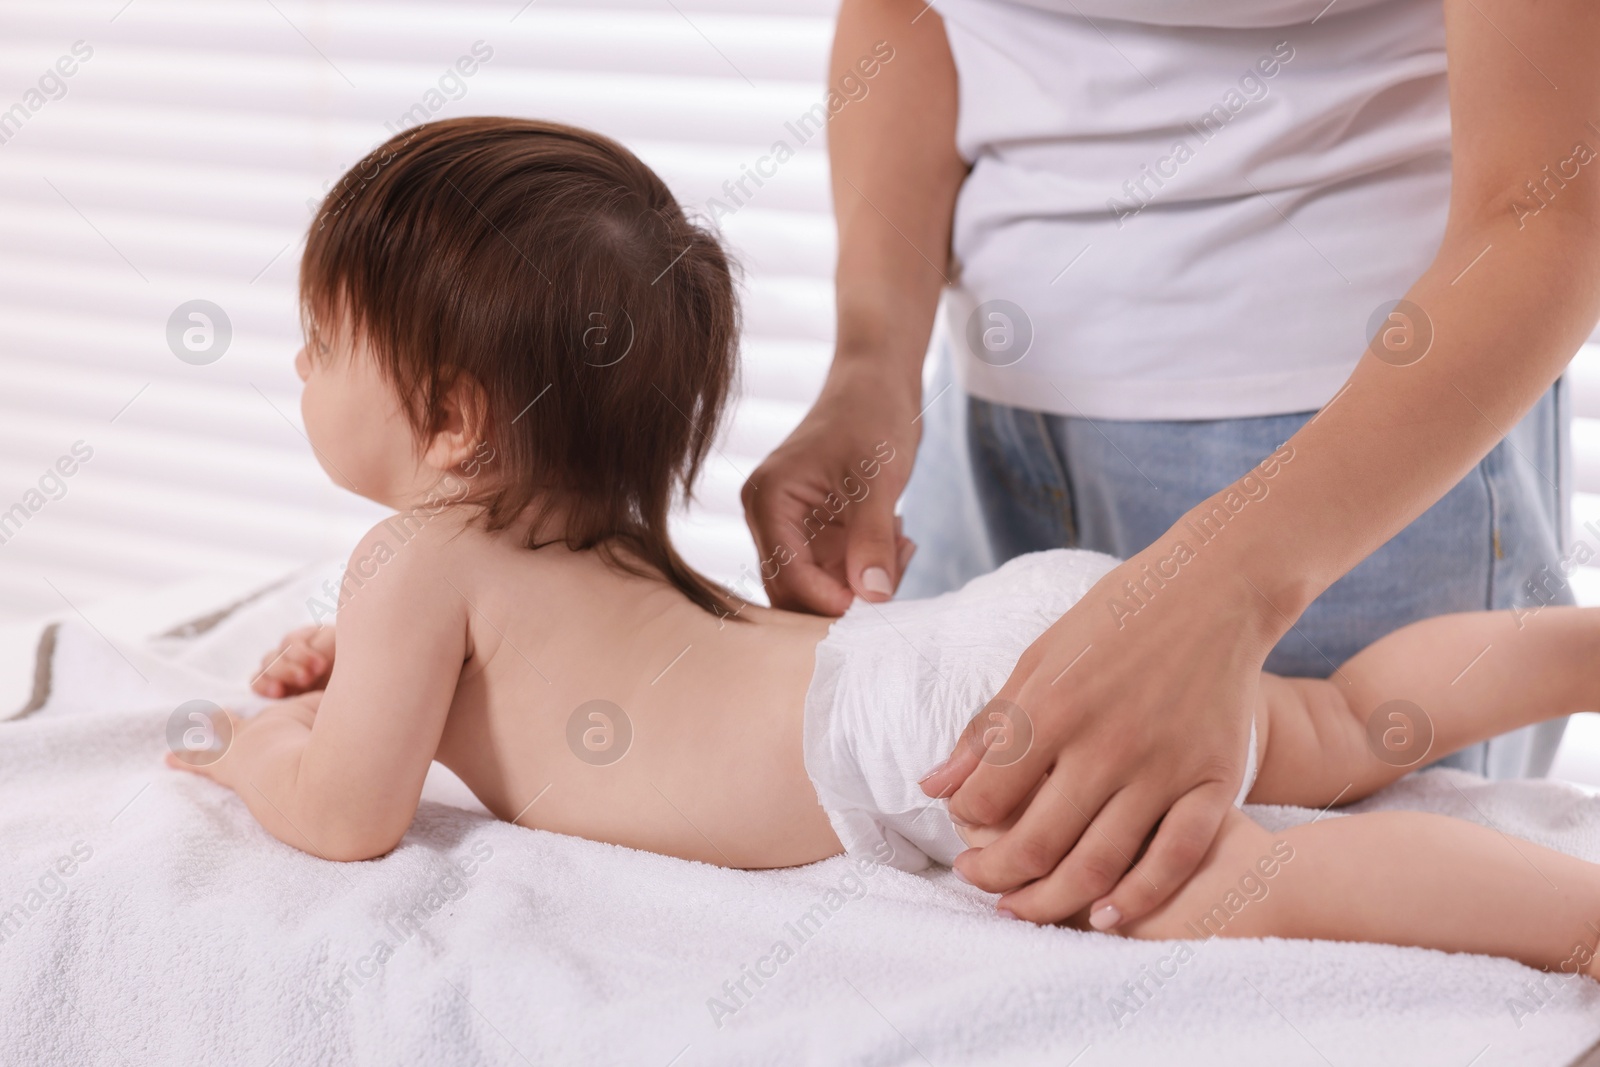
x: 176, y: 163
x: 158, y: 152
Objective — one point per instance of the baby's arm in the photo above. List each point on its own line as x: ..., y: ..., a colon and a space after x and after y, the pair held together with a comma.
x: 1467, y: 677
x: 342, y: 780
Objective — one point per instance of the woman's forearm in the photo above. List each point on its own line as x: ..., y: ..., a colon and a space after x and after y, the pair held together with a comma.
x: 895, y: 172
x: 1397, y: 437
x: 1511, y: 294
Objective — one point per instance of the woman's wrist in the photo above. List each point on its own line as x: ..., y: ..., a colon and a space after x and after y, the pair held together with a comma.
x: 876, y: 392
x: 1233, y: 565
x: 860, y: 372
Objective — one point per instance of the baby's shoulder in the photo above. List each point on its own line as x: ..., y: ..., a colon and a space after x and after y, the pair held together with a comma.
x: 410, y: 554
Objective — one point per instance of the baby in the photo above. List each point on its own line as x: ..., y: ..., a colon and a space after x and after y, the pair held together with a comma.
x: 517, y: 340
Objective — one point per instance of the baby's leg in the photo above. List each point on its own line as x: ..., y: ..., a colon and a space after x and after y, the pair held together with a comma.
x: 1401, y: 878
x: 1471, y: 676
x: 1405, y: 878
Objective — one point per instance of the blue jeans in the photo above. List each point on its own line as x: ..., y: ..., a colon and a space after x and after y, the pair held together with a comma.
x: 1047, y: 481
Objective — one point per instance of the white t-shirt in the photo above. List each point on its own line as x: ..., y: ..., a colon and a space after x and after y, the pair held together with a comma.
x: 1195, y: 215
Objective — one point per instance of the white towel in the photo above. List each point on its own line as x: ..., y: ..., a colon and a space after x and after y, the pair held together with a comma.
x: 185, y: 934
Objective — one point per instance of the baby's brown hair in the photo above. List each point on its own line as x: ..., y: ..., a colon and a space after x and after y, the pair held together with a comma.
x: 557, y: 271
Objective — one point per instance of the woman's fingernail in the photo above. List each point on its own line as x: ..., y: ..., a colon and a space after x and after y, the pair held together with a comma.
x: 876, y: 580
x: 1105, y: 918
x: 941, y: 765
x: 1005, y: 913
x: 958, y: 874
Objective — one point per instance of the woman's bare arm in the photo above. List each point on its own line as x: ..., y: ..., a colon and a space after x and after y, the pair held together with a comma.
x: 896, y: 173
x: 1151, y: 729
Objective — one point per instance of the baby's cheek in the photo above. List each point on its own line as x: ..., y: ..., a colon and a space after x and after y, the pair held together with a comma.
x: 314, y: 415
x: 322, y: 430
x: 338, y: 426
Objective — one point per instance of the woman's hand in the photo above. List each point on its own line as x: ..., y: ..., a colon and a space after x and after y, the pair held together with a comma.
x: 302, y: 662
x: 1134, y: 711
x: 1150, y: 725
x: 821, y: 506
x: 895, y: 175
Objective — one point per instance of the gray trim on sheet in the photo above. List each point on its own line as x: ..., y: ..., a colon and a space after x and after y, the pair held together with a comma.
x: 210, y: 620
x: 44, y: 654
x: 43, y: 673
x: 1588, y: 1059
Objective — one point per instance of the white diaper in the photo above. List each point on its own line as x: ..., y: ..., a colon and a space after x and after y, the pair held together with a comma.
x: 895, y: 684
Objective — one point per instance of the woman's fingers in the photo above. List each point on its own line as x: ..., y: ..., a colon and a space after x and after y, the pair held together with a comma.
x: 993, y: 727
x: 792, y: 574
x: 821, y: 506
x: 806, y: 586
x: 1102, y: 856
x: 1002, y: 762
x: 907, y: 549
x: 1181, y: 844
x: 872, y: 532
x: 1160, y: 707
x: 1051, y: 823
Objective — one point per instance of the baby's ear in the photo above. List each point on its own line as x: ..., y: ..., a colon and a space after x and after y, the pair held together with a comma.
x: 460, y: 425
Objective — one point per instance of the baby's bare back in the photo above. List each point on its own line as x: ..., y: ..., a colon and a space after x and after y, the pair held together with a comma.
x: 608, y: 706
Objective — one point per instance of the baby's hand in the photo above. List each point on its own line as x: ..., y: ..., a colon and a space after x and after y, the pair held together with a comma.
x: 237, y: 734
x: 301, y: 663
